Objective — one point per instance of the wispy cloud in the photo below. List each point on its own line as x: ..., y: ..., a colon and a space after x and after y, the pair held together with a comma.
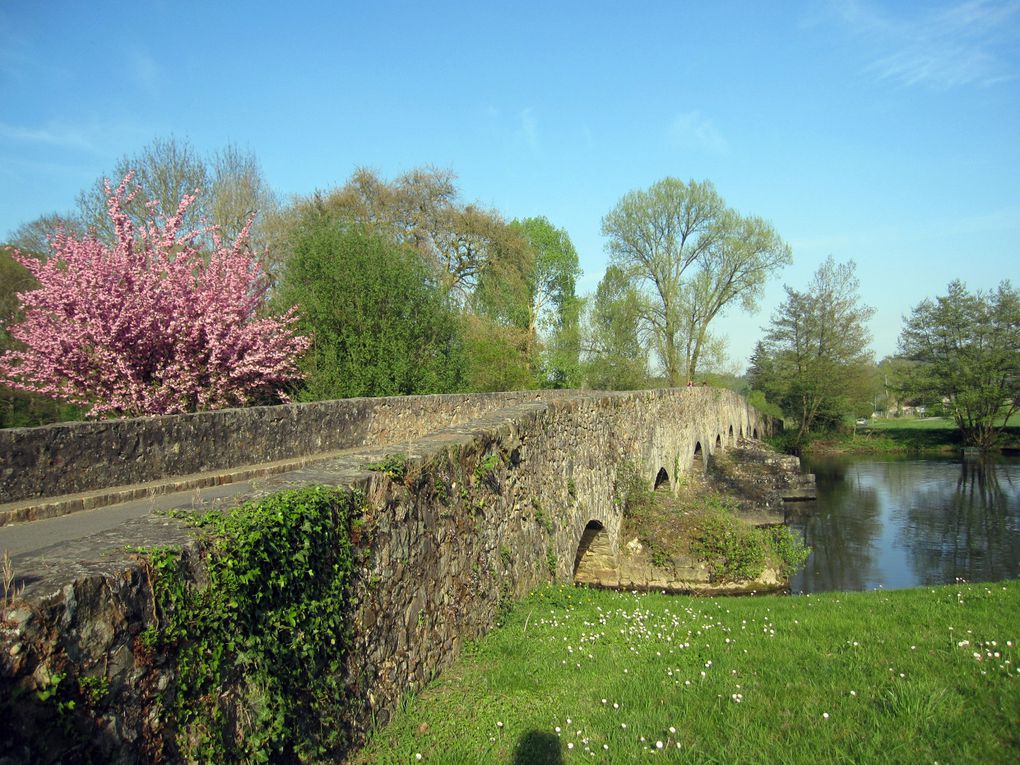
x: 528, y: 128
x: 694, y: 131
x: 51, y: 135
x: 953, y: 45
x: 144, y: 70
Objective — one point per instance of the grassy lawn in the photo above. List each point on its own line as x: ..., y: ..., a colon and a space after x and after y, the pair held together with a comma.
x: 906, y: 434
x: 911, y: 423
x: 916, y: 676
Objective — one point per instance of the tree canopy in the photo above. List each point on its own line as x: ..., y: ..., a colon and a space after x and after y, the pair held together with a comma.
x: 150, y: 324
x: 814, y: 359
x: 381, y: 324
x: 616, y: 355
x: 966, y: 349
x: 692, y: 257
x: 233, y: 195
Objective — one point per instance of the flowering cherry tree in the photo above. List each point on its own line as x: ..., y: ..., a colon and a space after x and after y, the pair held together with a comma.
x: 151, y: 325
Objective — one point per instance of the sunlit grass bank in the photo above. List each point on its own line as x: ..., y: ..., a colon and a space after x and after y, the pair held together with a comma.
x: 916, y: 676
x: 905, y: 435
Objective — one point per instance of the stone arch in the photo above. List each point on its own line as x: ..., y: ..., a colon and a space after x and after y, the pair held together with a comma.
x: 594, y: 558
x: 661, y: 479
x: 698, y: 459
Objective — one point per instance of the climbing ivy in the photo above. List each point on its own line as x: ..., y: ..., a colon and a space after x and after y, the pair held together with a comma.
x: 260, y: 646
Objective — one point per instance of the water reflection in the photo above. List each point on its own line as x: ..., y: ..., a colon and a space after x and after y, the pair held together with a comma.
x: 903, y: 523
x: 967, y: 531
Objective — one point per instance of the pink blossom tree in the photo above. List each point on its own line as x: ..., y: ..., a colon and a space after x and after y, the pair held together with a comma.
x: 151, y: 325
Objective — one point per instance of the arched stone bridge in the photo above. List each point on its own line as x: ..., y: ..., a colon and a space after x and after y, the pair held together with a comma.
x: 499, y: 493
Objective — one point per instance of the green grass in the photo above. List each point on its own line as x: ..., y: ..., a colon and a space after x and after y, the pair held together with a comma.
x: 911, y: 423
x: 907, y: 676
x: 904, y: 435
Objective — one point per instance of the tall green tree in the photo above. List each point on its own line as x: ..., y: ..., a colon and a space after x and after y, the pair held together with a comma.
x: 422, y: 210
x: 482, y: 263
x: 616, y: 356
x: 553, y: 305
x: 692, y: 257
x: 966, y: 349
x: 814, y: 359
x: 381, y: 324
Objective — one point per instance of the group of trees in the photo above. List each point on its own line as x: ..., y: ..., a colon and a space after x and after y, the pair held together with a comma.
x: 378, y: 288
x: 958, y: 353
x: 814, y: 360
x: 963, y: 350
x: 679, y: 258
x: 155, y: 298
x: 406, y: 289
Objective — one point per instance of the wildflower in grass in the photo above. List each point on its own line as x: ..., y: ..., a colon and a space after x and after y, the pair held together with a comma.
x: 825, y: 715
x: 659, y: 745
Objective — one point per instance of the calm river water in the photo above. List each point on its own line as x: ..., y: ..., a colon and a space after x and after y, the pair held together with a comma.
x: 894, y: 523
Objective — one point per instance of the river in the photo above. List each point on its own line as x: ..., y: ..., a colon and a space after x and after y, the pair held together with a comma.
x: 892, y: 523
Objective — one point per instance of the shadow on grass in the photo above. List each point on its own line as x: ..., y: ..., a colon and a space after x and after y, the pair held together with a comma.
x: 538, y: 748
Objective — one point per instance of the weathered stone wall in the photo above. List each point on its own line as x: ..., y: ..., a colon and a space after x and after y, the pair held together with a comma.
x: 488, y: 509
x: 74, y: 457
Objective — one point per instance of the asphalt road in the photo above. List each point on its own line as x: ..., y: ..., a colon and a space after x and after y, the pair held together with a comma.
x: 20, y: 539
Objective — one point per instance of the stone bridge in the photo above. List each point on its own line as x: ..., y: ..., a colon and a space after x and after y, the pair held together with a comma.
x: 498, y: 494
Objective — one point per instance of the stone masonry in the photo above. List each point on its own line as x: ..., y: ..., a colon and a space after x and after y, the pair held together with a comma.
x: 498, y: 493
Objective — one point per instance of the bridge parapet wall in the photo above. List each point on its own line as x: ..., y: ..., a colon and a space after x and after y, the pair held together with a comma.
x: 66, y: 458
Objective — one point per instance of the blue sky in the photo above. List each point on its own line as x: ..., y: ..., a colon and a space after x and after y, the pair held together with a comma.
x: 887, y: 133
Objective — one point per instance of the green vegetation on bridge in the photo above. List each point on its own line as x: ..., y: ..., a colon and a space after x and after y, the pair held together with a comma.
x: 925, y: 675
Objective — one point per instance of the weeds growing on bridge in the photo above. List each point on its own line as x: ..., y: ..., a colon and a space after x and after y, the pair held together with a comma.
x: 584, y: 676
x: 11, y: 591
x: 259, y: 648
x: 704, y: 525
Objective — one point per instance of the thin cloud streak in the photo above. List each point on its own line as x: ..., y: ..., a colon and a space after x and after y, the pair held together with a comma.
x: 694, y: 131
x: 529, y: 128
x: 959, y: 45
x: 52, y: 135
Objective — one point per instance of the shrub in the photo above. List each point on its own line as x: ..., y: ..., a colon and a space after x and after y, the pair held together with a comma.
x: 264, y: 637
x: 732, y: 551
x: 151, y: 325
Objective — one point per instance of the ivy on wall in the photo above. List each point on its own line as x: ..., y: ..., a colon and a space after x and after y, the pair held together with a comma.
x: 260, y: 644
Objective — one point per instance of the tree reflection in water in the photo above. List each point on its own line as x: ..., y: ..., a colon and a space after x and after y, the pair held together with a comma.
x: 968, y: 531
x: 840, y: 528
x: 904, y: 523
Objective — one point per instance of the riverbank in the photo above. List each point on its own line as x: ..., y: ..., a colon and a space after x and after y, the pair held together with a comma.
x: 926, y: 675
x: 935, y: 435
